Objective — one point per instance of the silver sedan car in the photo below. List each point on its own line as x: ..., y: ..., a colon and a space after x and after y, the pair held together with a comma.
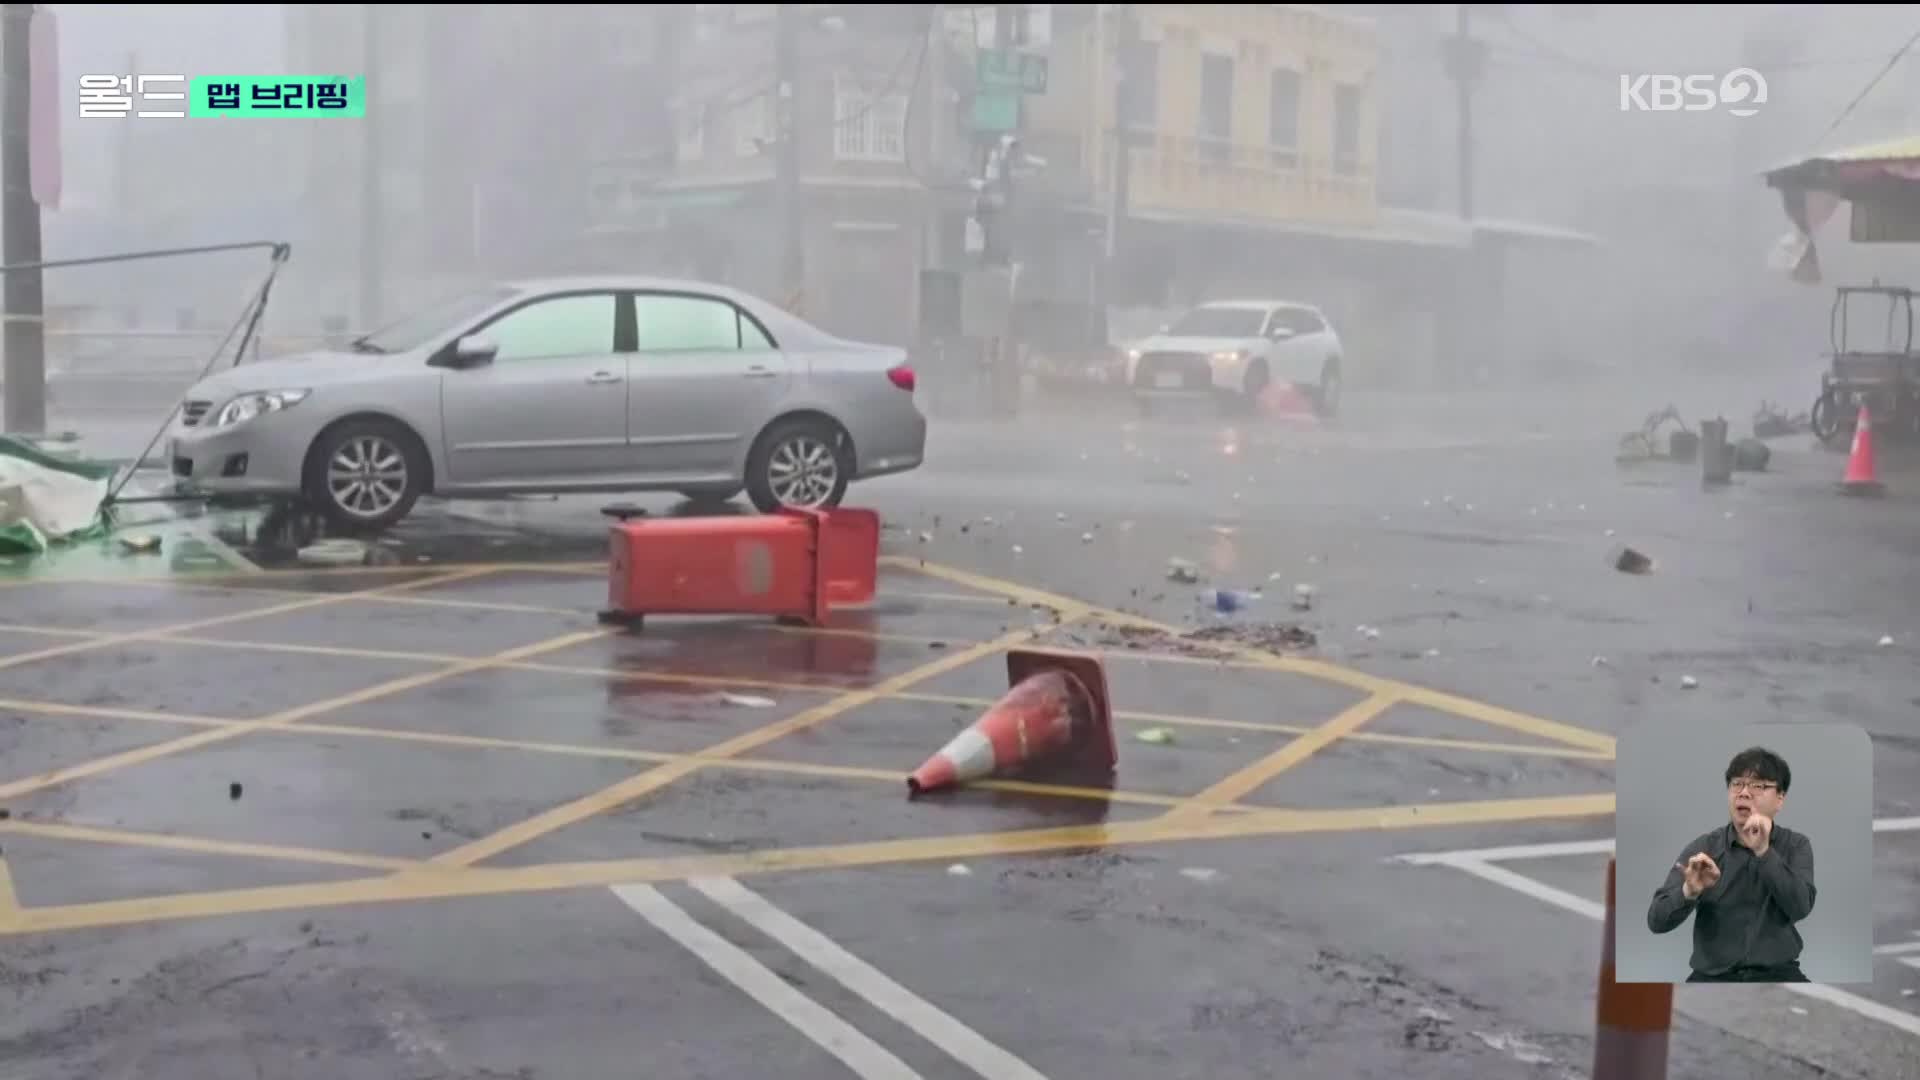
x: 578, y: 385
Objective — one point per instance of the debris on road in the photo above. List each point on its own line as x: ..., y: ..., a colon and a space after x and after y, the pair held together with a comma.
x: 1199, y: 873
x: 1886, y: 640
x: 959, y: 870
x: 1628, y: 561
x: 1303, y: 597
x: 1018, y: 550
x: 141, y: 543
x: 337, y: 552
x: 1751, y: 455
x: 233, y: 792
x: 1371, y: 633
x: 1182, y: 571
x: 1086, y: 538
x: 1226, y: 601
x: 926, y: 538
x: 5, y: 813
x: 747, y: 701
x: 1157, y: 736
x: 1273, y: 637
x: 1772, y: 422
x: 1688, y: 682
x: 1601, y: 661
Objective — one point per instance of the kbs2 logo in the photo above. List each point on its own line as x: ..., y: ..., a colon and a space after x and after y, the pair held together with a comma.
x: 1741, y: 92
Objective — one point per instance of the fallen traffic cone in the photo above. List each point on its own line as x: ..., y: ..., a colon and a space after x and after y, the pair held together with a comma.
x: 1633, y: 1022
x: 1861, y: 479
x: 1058, y: 704
x: 1285, y: 401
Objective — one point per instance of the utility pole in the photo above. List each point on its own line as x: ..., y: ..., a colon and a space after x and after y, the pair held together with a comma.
x: 372, y: 194
x: 1126, y: 51
x: 25, y: 333
x: 793, y: 258
x: 1466, y: 71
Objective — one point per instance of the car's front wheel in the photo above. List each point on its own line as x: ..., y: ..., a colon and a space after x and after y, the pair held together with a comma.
x: 1326, y: 396
x: 803, y: 464
x: 365, y: 475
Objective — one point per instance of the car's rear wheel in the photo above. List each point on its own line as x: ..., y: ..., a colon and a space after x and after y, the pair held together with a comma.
x: 803, y: 464
x: 365, y: 475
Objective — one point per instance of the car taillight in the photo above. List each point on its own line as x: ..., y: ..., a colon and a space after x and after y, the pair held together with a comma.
x: 901, y: 377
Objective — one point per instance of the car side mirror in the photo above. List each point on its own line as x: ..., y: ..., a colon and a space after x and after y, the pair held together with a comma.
x: 473, y: 350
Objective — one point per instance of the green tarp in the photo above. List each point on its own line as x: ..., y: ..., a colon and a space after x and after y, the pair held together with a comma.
x: 47, y: 500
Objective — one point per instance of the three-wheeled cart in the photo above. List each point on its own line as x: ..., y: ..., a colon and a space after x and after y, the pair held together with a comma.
x: 1874, y: 363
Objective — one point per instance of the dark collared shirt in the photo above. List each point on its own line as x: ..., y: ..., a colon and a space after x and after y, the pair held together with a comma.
x: 1747, y: 918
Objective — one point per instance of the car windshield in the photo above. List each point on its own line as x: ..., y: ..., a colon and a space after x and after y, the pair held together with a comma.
x: 1219, y: 322
x: 423, y: 326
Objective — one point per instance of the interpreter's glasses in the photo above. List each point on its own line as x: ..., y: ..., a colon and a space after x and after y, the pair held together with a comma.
x: 1758, y: 787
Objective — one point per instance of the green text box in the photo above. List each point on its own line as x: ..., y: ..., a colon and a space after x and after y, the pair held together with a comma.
x: 278, y: 95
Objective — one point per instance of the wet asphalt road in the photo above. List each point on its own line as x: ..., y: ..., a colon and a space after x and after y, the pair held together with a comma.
x: 1473, y: 545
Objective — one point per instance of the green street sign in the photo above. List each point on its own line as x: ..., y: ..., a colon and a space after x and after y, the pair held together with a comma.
x: 1004, y: 69
x: 995, y: 111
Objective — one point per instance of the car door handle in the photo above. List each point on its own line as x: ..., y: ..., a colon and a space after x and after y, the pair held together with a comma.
x: 759, y: 372
x: 603, y: 377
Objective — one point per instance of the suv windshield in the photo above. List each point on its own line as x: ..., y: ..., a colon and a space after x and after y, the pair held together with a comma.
x: 1219, y: 322
x: 423, y: 326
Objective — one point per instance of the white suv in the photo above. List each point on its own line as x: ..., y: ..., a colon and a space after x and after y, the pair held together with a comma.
x: 1234, y: 349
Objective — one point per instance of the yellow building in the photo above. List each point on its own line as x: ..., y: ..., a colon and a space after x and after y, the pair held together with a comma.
x: 1239, y: 111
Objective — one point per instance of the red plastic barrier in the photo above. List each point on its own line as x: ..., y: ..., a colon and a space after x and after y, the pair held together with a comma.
x: 795, y: 564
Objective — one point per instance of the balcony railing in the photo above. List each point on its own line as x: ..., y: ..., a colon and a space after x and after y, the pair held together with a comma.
x: 1247, y: 179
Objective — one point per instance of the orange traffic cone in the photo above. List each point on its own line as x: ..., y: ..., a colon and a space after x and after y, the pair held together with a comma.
x: 1058, y: 703
x: 1861, y: 479
x: 1285, y: 401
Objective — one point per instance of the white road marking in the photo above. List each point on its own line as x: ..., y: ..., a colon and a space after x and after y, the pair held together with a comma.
x: 1539, y: 890
x: 1896, y: 948
x: 1911, y: 961
x: 1479, y: 864
x: 1579, y: 847
x: 868, y: 1059
x: 1504, y: 854
x: 963, y: 1043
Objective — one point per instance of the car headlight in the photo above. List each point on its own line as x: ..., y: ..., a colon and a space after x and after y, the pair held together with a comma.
x: 248, y: 406
x: 1230, y: 356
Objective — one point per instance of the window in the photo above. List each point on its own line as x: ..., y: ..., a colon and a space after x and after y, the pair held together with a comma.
x: 1298, y: 320
x: 868, y: 125
x: 695, y: 324
x: 444, y: 317
x: 752, y: 125
x: 1346, y: 129
x: 1143, y: 86
x: 1216, y: 107
x: 1283, y: 118
x: 692, y: 132
x: 1239, y: 322
x: 561, y: 326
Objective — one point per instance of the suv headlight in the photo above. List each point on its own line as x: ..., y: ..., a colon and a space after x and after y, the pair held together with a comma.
x: 248, y: 406
x: 1231, y: 356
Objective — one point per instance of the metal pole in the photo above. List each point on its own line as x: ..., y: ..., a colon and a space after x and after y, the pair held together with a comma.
x: 371, y: 194
x: 25, y: 333
x: 1126, y: 38
x: 1463, y: 91
x: 793, y: 266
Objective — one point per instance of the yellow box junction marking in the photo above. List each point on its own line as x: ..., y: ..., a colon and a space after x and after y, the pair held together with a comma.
x: 476, y: 882
x: 199, y: 846
x: 1565, y: 734
x: 288, y: 717
x: 10, y: 909
x: 454, y: 875
x: 1243, y: 782
x: 635, y: 787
